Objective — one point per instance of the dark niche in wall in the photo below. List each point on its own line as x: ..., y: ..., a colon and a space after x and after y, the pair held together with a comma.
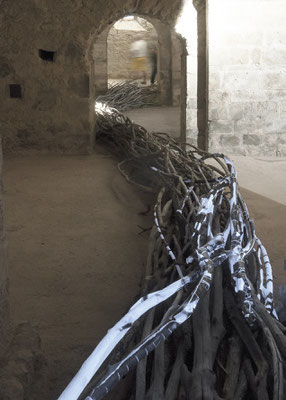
x: 15, y: 91
x: 47, y: 55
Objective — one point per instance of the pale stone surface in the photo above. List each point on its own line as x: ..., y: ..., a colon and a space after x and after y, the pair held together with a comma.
x: 229, y: 140
x: 253, y: 140
x: 247, y: 71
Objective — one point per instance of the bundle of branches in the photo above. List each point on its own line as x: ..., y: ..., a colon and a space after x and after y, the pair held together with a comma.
x: 126, y: 95
x: 205, y: 326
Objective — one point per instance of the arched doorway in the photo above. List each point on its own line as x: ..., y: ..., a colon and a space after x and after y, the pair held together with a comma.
x: 121, y: 37
x: 111, y: 62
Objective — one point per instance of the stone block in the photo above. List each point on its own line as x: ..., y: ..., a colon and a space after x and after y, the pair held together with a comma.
x: 275, y: 126
x: 229, y: 140
x: 221, y: 126
x: 261, y: 110
x: 218, y: 111
x: 79, y: 85
x: 244, y: 126
x: 267, y: 109
x: 236, y: 111
x: 253, y: 140
x: 275, y: 80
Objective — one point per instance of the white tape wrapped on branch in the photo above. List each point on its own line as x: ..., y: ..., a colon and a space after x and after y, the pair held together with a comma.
x: 179, y: 317
x: 115, y: 334
x: 267, y: 289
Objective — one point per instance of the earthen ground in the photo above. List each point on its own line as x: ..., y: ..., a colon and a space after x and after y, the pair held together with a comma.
x: 76, y: 255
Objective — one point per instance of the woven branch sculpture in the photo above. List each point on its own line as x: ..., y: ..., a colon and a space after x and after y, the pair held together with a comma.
x: 126, y: 95
x: 205, y: 326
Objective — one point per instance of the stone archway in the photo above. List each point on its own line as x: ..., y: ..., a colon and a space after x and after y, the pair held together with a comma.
x: 99, y: 59
x: 172, y: 70
x: 120, y: 38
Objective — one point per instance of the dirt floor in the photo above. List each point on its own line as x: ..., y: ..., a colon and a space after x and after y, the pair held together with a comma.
x: 76, y: 252
x: 76, y: 255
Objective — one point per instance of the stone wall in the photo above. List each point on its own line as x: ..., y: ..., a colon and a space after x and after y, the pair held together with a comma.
x: 4, y: 300
x: 247, y: 76
x: 169, y: 59
x: 47, y: 79
x: 53, y: 106
x: 176, y: 68
x: 52, y: 109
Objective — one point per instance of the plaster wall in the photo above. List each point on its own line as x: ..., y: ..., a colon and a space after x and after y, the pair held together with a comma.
x: 247, y: 76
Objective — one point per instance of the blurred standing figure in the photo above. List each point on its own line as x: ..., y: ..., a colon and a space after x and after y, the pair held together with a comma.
x: 139, y: 52
x: 153, y: 60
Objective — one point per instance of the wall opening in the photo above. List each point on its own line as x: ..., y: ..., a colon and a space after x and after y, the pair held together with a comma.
x: 15, y: 91
x: 47, y: 55
x: 111, y: 61
x: 132, y: 51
